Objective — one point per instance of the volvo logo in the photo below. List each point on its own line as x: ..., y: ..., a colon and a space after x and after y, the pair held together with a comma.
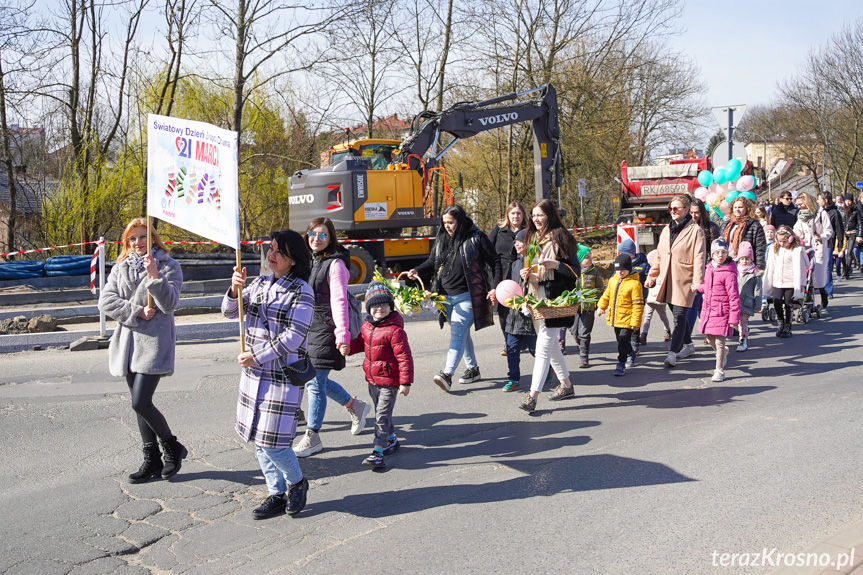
x: 499, y: 119
x: 303, y: 199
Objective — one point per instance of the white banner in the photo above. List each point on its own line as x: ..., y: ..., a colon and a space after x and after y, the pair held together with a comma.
x: 192, y: 178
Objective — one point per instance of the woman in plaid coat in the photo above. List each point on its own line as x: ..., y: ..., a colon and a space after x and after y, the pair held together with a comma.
x: 279, y: 309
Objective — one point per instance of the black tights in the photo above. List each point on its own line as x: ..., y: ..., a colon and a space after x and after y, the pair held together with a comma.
x: 151, y: 422
x: 782, y: 301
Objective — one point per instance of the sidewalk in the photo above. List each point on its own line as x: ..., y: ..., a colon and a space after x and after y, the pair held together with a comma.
x: 841, y: 544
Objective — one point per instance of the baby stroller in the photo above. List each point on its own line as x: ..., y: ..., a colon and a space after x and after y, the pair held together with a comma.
x: 806, y: 308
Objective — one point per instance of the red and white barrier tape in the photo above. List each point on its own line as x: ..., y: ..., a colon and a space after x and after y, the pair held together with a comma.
x: 346, y: 241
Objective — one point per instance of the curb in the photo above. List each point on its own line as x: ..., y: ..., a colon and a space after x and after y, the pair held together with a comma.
x: 843, y: 542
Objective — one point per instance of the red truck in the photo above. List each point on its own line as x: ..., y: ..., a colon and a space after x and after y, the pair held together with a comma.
x: 646, y: 191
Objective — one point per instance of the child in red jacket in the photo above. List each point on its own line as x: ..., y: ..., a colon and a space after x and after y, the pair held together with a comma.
x: 389, y: 367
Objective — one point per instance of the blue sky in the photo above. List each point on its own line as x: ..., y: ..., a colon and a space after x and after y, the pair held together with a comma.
x: 744, y: 48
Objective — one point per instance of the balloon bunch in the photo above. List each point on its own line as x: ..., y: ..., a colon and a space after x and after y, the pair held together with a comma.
x: 720, y: 188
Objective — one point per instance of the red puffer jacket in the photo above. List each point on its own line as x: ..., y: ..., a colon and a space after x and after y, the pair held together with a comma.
x: 388, y: 355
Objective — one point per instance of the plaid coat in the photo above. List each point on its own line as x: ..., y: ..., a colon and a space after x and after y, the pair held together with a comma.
x: 278, y: 313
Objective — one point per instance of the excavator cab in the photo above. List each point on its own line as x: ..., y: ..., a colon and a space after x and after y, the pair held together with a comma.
x: 379, y: 152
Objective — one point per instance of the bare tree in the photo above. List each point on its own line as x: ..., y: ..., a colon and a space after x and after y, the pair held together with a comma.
x: 827, y: 97
x: 364, y: 71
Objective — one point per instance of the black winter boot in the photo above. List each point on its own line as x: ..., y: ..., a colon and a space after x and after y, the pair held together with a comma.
x: 583, y: 358
x: 780, y: 328
x: 152, y: 466
x: 174, y: 454
x: 787, y: 332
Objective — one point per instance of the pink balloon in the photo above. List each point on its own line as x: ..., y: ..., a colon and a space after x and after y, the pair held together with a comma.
x: 711, y: 199
x: 701, y: 193
x: 712, y: 187
x: 745, y: 183
x: 724, y: 207
x: 507, y: 289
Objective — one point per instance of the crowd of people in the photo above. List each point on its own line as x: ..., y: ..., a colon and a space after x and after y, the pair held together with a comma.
x: 298, y: 327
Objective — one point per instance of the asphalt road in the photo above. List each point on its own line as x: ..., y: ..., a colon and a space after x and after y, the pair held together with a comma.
x: 649, y: 473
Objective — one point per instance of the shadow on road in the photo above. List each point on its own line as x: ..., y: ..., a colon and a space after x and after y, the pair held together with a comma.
x: 545, y: 478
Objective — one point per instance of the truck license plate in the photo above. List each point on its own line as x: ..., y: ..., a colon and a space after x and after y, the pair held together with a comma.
x: 663, y: 189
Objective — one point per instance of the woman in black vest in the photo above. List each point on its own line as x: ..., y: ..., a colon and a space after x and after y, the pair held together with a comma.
x: 502, y: 237
x: 461, y: 260
x: 329, y: 334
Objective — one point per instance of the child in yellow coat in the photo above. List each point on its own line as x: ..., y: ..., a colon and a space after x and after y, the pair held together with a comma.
x: 627, y: 306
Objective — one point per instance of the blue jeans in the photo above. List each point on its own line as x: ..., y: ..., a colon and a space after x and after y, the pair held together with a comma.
x: 858, y: 252
x: 514, y: 345
x: 829, y: 286
x: 693, y: 314
x: 459, y: 313
x: 281, y: 468
x: 319, y: 389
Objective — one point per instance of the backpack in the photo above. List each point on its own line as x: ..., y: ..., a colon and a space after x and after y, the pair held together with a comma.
x: 355, y: 316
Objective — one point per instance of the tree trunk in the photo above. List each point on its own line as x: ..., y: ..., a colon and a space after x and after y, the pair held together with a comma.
x: 8, y: 166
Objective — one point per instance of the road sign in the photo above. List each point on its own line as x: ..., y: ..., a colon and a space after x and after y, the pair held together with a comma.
x: 860, y: 185
x: 720, y: 153
x: 728, y: 116
x: 582, y: 188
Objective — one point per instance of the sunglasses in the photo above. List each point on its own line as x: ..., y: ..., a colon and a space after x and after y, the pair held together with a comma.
x: 674, y: 209
x: 785, y: 198
x: 320, y: 236
x: 133, y: 239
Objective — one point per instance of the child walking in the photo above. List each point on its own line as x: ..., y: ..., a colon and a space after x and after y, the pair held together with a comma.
x: 720, y: 313
x: 785, y: 276
x: 388, y: 366
x: 749, y: 282
x: 656, y: 307
x: 590, y: 279
x: 625, y: 297
x: 641, y: 266
x: 518, y: 327
x: 769, y: 234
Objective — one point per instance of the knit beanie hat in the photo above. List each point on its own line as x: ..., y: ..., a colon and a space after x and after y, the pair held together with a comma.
x: 720, y: 245
x: 744, y: 250
x: 623, y: 262
x: 626, y: 247
x: 769, y: 228
x: 519, y: 237
x: 379, y: 294
x: 848, y: 197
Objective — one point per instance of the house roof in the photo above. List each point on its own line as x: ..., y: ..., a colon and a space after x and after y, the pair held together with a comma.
x: 28, y: 200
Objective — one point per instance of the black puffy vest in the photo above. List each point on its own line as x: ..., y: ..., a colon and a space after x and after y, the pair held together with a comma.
x: 321, y: 345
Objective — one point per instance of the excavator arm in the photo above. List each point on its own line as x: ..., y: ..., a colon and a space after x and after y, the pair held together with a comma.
x: 467, y: 119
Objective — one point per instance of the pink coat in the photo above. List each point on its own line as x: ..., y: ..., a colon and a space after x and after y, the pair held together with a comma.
x: 721, y: 305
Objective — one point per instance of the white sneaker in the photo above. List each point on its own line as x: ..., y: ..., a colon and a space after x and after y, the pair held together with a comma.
x: 743, y: 345
x: 671, y: 359
x: 309, y: 444
x: 358, y: 412
x: 718, y: 375
x: 725, y: 356
x: 687, y: 350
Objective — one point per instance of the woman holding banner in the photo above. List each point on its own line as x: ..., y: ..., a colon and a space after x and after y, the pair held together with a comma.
x: 141, y: 294
x: 279, y: 310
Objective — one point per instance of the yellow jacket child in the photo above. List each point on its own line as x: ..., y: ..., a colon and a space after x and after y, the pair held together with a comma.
x: 626, y: 300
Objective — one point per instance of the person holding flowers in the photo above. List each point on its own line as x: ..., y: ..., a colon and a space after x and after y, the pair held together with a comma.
x: 553, y: 269
x: 461, y: 262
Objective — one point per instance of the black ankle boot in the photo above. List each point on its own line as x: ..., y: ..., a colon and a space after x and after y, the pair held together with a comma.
x: 174, y: 454
x: 152, y: 466
x: 781, y: 329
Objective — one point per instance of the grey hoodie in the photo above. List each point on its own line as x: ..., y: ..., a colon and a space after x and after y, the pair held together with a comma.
x: 139, y: 345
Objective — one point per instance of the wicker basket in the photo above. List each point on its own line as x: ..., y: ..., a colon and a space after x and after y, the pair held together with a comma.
x: 550, y: 312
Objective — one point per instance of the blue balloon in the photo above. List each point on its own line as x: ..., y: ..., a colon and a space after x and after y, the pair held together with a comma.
x: 731, y: 195
x: 705, y: 178
x: 750, y: 195
x: 719, y: 176
x: 733, y: 169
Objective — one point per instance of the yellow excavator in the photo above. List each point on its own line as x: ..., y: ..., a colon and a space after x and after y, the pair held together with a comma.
x: 374, y: 190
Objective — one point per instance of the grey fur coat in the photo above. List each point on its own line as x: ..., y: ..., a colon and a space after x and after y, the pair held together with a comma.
x: 140, y: 345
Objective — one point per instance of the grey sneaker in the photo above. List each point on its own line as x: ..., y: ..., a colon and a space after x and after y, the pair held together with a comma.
x: 529, y: 404
x: 561, y: 392
x: 358, y: 412
x: 309, y: 444
x: 469, y: 375
x: 687, y: 350
x: 671, y: 359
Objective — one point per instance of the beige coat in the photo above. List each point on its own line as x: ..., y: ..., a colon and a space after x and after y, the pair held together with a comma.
x: 683, y: 262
